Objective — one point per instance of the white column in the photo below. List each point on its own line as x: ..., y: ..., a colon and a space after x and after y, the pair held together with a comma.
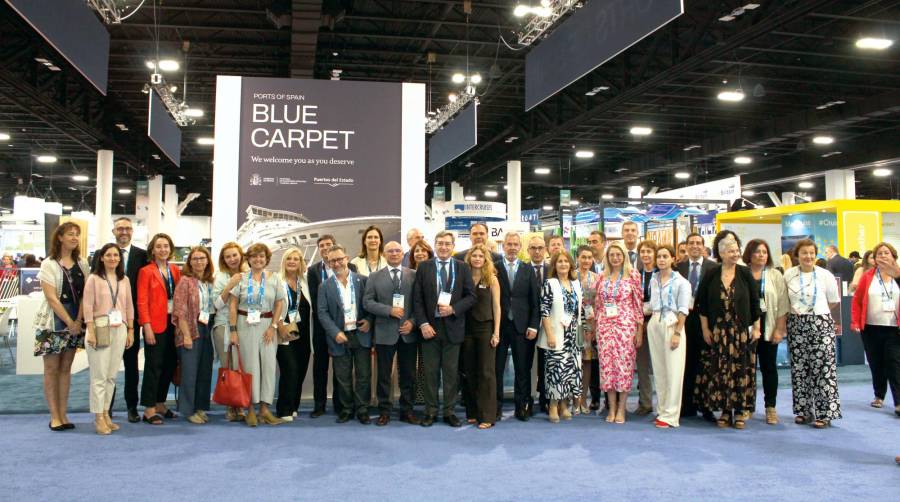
x: 154, y: 216
x: 103, y: 206
x: 514, y: 191
x: 170, y: 210
x: 456, y: 191
x: 840, y: 184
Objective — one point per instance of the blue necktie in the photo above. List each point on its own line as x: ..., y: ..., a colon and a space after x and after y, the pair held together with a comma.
x: 694, y: 277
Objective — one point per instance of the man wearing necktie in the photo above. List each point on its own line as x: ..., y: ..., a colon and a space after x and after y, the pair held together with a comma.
x: 537, y: 252
x: 389, y: 297
x: 133, y: 258
x: 693, y: 268
x: 442, y: 295
x: 520, y: 309
x: 630, y: 239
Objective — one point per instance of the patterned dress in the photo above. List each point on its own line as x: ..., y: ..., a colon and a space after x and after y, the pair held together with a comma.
x: 727, y: 379
x: 615, y: 335
x: 562, y: 368
x: 587, y: 325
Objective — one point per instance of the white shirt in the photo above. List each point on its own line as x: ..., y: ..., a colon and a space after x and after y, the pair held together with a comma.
x: 126, y: 252
x: 681, y: 294
x: 347, y: 298
x: 825, y: 290
x: 875, y: 313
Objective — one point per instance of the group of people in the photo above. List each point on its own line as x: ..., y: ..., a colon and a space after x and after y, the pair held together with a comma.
x: 591, y: 320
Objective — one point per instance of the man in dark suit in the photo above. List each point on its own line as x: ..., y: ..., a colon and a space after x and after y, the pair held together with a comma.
x: 537, y: 267
x: 630, y: 239
x: 133, y: 259
x: 478, y: 234
x: 693, y: 269
x: 389, y: 298
x: 315, y: 276
x: 348, y: 331
x: 838, y: 265
x: 521, y: 311
x: 440, y: 307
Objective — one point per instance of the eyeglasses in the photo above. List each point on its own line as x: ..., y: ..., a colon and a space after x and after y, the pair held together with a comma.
x: 198, y: 258
x: 337, y: 260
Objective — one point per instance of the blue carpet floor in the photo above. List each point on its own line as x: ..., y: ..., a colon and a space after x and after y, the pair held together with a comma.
x: 318, y: 459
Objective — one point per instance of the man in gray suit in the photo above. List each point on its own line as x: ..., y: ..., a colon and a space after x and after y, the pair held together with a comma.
x: 348, y: 333
x: 389, y: 298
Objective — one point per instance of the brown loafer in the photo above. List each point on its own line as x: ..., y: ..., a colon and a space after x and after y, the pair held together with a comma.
x: 410, y: 418
x: 383, y: 420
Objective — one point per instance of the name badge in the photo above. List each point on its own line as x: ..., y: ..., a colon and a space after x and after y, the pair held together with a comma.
x: 670, y: 319
x: 349, y: 320
x: 253, y: 316
x: 444, y: 299
x: 398, y: 301
x: 115, y: 318
x: 589, y: 311
x: 887, y: 303
x: 612, y: 310
x: 762, y: 305
x: 203, y: 318
x: 294, y: 316
x: 170, y: 306
x: 566, y: 320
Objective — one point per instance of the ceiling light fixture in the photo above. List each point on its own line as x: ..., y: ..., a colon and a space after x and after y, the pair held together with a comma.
x: 124, y: 191
x: 452, y: 97
x: 878, y: 44
x: 46, y: 159
x: 595, y: 90
x: 881, y: 172
x: 67, y: 208
x: 194, y: 112
x: 4, y: 136
x: 206, y: 141
x: 458, y: 78
x: 823, y: 140
x: 475, y: 79
x: 584, y: 154
x: 547, y: 208
x: 490, y: 193
x: 470, y: 197
x: 574, y: 202
x: 607, y: 196
x: 748, y: 193
x: 682, y: 175
x: 80, y: 177
x: 641, y: 131
x: 806, y: 184
x: 830, y: 104
x: 691, y: 147
x: 743, y: 160
x: 738, y: 12
x: 542, y: 170
x: 733, y: 96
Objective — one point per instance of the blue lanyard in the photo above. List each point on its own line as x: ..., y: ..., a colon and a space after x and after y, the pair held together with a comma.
x: 292, y: 304
x: 762, y: 283
x: 170, y: 284
x: 262, y: 289
x: 583, y: 286
x: 671, y: 302
x: 437, y: 270
x: 803, y: 288
x: 888, y: 294
x: 209, y: 299
x: 350, y: 281
x: 615, y: 295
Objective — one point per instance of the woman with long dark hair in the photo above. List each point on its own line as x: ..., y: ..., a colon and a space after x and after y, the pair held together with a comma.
x: 371, y: 254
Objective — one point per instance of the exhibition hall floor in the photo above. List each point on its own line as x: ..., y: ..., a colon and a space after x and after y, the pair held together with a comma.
x: 587, y: 457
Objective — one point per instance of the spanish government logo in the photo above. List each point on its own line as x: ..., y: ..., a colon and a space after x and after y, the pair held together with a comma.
x: 255, y: 180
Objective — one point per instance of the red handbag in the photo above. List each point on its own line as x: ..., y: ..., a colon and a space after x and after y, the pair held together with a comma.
x: 233, y: 387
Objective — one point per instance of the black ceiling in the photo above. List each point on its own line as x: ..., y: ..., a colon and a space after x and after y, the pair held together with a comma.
x: 790, y: 57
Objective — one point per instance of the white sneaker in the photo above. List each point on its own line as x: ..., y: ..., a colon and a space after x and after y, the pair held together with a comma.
x: 294, y: 414
x: 288, y: 418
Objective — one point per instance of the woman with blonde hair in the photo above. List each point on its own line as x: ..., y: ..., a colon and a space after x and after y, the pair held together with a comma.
x: 619, y: 308
x: 231, y: 264
x: 480, y: 342
x: 193, y: 317
x: 294, y: 335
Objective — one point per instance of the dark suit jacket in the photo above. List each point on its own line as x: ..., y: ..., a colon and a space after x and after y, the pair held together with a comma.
x: 746, y: 296
x: 379, y: 299
x: 462, y: 298
x: 841, y: 267
x: 684, y: 269
x: 461, y: 255
x: 524, y: 298
x: 330, y: 306
x: 314, y: 280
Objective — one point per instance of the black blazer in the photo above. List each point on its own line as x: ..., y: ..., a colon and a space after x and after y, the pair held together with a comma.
x: 314, y: 280
x: 462, y: 298
x: 684, y: 269
x: 137, y: 258
x: 746, y: 296
x: 524, y: 298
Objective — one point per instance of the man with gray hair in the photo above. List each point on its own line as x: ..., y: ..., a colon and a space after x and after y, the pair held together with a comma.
x: 413, y: 235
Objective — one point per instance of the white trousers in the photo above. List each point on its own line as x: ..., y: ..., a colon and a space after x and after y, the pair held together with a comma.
x: 668, y: 369
x: 104, y: 364
x: 259, y: 358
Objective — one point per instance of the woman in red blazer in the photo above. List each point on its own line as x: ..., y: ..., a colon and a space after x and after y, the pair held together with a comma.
x: 155, y: 290
x: 874, y: 313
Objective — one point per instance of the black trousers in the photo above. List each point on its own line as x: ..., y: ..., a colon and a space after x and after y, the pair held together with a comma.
x: 542, y: 389
x: 479, y: 360
x: 766, y: 353
x: 353, y: 371
x: 321, y: 360
x: 882, y: 346
x: 293, y: 362
x: 440, y: 359
x: 406, y: 374
x: 595, y: 377
x: 694, y: 346
x: 523, y: 360
x: 132, y: 375
x: 159, y: 367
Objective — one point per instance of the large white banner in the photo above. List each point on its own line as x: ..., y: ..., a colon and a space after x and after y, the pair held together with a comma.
x: 727, y: 189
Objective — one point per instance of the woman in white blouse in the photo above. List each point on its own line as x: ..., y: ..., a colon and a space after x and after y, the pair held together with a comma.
x: 231, y: 264
x: 670, y: 302
x: 371, y: 255
x: 812, y: 292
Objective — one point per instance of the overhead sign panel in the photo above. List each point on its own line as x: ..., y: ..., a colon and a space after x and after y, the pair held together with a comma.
x: 724, y: 189
x: 591, y: 36
x: 456, y: 138
x: 163, y: 130
x: 73, y: 29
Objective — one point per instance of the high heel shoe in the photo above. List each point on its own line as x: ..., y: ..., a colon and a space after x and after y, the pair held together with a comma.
x: 564, y: 412
x: 267, y: 417
x: 553, y: 412
x: 101, y: 427
x: 109, y: 423
x: 251, y: 418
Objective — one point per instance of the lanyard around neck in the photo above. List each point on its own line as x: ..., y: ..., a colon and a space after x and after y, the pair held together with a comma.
x: 262, y: 289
